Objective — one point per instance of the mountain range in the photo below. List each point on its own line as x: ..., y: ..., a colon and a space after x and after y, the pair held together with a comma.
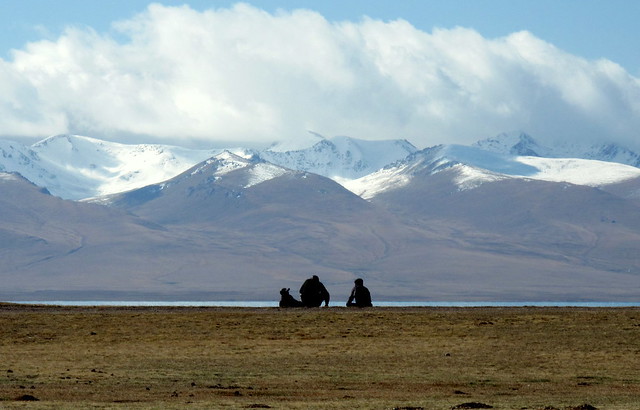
x: 503, y: 219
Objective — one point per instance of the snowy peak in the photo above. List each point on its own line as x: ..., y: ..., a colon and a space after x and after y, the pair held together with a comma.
x: 519, y: 143
x: 579, y: 171
x: 491, y: 161
x: 66, y: 144
x: 514, y: 143
x: 77, y: 167
x: 486, y: 165
x: 220, y: 164
x: 342, y: 157
x: 17, y: 158
x: 257, y: 171
x: 116, y: 167
x: 226, y: 169
x: 613, y: 153
x: 474, y: 166
x: 239, y: 191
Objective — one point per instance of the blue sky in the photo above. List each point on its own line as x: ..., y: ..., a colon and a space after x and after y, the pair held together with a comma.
x: 456, y: 71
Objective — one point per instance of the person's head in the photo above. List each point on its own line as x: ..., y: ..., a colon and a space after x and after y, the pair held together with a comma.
x: 358, y: 282
x: 315, y: 278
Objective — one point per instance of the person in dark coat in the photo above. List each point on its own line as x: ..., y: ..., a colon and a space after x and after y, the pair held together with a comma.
x: 360, y: 295
x: 286, y: 300
x: 313, y: 293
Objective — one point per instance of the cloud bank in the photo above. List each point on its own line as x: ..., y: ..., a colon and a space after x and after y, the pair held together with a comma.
x: 242, y: 74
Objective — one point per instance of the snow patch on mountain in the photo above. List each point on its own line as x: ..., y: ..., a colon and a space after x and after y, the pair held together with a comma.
x: 15, y: 157
x: 579, y: 171
x: 474, y: 166
x: 482, y: 165
x: 341, y: 157
x: 225, y: 162
x: 375, y: 183
x: 91, y: 167
x: 514, y: 143
x: 491, y: 161
x: 263, y: 172
x: 520, y: 143
x: 77, y: 167
x: 6, y: 176
x: 471, y: 177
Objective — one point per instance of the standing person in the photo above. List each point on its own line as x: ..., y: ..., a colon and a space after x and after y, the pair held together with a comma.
x: 360, y: 294
x: 313, y: 292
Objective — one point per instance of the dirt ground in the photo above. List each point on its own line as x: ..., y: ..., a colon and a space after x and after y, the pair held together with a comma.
x: 342, y: 358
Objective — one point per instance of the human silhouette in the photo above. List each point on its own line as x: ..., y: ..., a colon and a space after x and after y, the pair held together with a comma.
x: 286, y: 300
x: 360, y: 295
x: 313, y: 292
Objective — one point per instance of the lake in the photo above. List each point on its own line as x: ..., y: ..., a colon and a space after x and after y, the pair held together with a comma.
x: 341, y: 303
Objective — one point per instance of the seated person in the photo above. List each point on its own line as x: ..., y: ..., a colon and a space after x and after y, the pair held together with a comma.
x: 313, y: 292
x: 360, y: 296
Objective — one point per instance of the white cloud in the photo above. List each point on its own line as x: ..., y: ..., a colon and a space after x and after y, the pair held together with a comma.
x: 245, y: 74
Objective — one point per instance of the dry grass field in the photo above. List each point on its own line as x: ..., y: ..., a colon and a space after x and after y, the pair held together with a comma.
x: 325, y: 358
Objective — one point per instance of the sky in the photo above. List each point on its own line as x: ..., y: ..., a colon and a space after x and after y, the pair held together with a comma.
x: 222, y: 73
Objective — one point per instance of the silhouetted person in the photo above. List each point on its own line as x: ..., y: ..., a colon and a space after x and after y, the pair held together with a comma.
x: 313, y: 293
x: 286, y: 300
x: 360, y: 294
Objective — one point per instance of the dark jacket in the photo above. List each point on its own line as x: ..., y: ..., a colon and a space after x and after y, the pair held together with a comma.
x: 313, y: 293
x: 361, y: 295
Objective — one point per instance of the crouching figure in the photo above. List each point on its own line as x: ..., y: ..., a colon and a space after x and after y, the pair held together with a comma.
x: 313, y: 293
x: 286, y: 300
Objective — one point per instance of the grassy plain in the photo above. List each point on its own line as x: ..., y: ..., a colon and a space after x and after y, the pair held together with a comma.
x: 374, y: 358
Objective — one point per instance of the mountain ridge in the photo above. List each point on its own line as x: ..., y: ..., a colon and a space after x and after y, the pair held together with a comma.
x: 77, y: 167
x: 522, y: 144
x: 448, y: 222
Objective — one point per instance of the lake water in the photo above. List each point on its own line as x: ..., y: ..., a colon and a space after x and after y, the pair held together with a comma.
x: 275, y: 303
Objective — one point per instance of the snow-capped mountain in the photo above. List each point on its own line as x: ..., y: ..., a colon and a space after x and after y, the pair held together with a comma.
x: 520, y: 143
x: 227, y: 186
x: 514, y: 143
x: 25, y: 161
x: 212, y: 175
x: 475, y: 166
x: 251, y: 217
x: 341, y: 158
x: 91, y: 167
x: 76, y: 167
x: 493, y: 221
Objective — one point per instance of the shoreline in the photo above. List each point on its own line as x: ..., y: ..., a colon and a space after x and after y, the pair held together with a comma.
x: 274, y: 303
x: 52, y: 308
